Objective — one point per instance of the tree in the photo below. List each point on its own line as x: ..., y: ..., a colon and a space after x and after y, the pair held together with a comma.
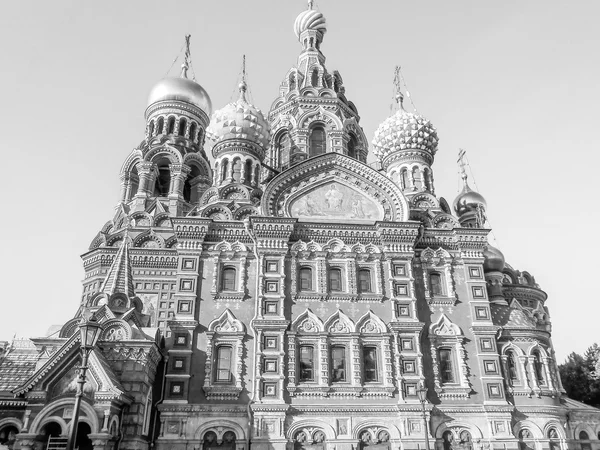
x: 580, y: 376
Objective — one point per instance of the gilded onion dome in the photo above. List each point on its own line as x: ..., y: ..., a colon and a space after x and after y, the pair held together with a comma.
x: 310, y: 19
x: 182, y: 90
x: 404, y: 131
x: 242, y: 121
x: 468, y: 201
x: 493, y: 259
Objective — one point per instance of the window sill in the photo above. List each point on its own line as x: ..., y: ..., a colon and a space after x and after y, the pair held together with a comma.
x: 222, y: 392
x: 230, y: 296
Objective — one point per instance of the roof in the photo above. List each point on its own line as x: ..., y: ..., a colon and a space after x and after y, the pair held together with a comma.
x: 574, y: 404
x: 506, y: 316
x: 18, y: 364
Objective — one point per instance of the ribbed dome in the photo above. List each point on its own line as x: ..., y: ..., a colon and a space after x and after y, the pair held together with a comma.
x: 468, y: 201
x: 310, y: 20
x: 404, y: 131
x: 183, y: 90
x: 493, y: 259
x: 240, y: 120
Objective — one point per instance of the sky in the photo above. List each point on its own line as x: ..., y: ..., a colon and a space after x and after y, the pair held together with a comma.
x: 513, y: 83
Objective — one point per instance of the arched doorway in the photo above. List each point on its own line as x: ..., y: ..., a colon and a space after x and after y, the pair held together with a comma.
x: 83, y: 442
x: 52, y: 432
x: 8, y: 435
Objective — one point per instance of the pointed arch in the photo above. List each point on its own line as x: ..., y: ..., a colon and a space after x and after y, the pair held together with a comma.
x: 339, y: 322
x: 227, y: 323
x: 307, y: 322
x: 370, y: 323
x: 445, y: 327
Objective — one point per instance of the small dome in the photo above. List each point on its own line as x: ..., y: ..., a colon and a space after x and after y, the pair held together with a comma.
x: 493, y: 259
x: 240, y: 120
x: 404, y: 131
x: 468, y: 201
x: 183, y: 90
x: 310, y: 19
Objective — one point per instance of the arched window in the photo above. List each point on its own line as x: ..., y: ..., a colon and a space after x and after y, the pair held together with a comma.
x: 224, y: 169
x: 306, y: 279
x: 8, y: 436
x: 538, y: 368
x: 352, y: 153
x: 224, y: 358
x: 193, y: 129
x: 448, y: 439
x: 317, y: 141
x: 171, y: 125
x: 338, y: 364
x: 190, y: 193
x: 466, y: 442
x: 525, y: 439
x: 314, y: 80
x: 163, y: 179
x: 151, y: 128
x: 160, y: 125
x: 335, y: 280
x: 284, y: 144
x: 370, y: 364
x: 228, y: 278
x: 426, y: 179
x: 553, y: 437
x: 446, y: 365
x: 404, y: 179
x: 307, y: 367
x: 364, y: 280
x: 248, y: 171
x: 182, y: 127
x: 511, y: 365
x: 435, y: 282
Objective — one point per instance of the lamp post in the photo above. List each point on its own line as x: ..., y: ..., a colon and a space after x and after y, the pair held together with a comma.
x: 422, y: 393
x: 90, y: 332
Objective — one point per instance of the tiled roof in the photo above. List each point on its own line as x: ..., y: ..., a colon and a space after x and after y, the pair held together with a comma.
x: 119, y: 277
x: 17, y: 365
x: 511, y: 317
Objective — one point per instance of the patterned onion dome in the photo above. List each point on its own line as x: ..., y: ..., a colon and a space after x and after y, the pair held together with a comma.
x: 493, y: 259
x: 240, y: 120
x: 404, y: 131
x: 310, y: 19
x: 183, y: 90
x: 468, y: 201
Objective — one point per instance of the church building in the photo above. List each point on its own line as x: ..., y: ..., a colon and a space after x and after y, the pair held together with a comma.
x: 262, y: 287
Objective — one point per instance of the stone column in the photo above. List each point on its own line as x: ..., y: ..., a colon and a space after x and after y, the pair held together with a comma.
x: 243, y: 171
x: 125, y: 186
x: 145, y: 172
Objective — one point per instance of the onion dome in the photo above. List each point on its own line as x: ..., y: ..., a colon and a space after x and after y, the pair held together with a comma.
x: 242, y: 121
x: 404, y: 131
x: 182, y: 90
x: 310, y: 19
x: 468, y: 201
x: 493, y: 259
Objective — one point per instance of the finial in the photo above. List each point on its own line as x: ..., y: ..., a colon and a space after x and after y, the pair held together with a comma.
x: 243, y: 86
x: 310, y: 4
x: 397, y: 85
x: 186, y: 62
x: 461, y: 163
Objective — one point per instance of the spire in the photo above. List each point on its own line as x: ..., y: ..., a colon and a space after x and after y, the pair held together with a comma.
x: 119, y: 277
x: 398, y: 88
x: 310, y: 4
x: 186, y: 61
x: 243, y: 86
x: 461, y: 165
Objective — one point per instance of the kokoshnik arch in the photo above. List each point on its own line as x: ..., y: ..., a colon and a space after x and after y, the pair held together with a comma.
x: 283, y: 294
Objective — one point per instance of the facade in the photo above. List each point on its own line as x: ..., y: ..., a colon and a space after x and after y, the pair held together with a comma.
x: 284, y: 294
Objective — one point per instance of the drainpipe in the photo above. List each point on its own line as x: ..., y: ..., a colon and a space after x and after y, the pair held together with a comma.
x: 162, y: 397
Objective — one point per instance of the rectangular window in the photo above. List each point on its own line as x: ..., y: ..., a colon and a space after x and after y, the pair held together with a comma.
x: 306, y: 363
x: 228, y: 277
x: 224, y: 364
x: 370, y: 363
x: 338, y: 364
x: 305, y: 279
x: 335, y: 280
x: 446, y: 369
x: 364, y: 280
x: 435, y: 280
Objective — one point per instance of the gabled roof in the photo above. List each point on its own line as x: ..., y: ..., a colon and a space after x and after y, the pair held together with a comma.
x: 574, y: 404
x: 18, y: 364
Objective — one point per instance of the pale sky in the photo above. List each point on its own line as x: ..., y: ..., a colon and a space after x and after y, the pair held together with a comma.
x: 514, y: 83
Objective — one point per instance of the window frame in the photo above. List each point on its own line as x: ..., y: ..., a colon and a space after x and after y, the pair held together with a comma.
x: 436, y: 275
x: 219, y: 368
x: 226, y: 270
x: 375, y: 369
x: 449, y: 362
x: 369, y: 281
x: 333, y: 367
x: 311, y: 149
x: 330, y: 272
x: 301, y: 377
x: 304, y: 269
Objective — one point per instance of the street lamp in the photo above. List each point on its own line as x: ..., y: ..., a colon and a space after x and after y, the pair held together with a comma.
x: 422, y: 393
x: 89, y: 331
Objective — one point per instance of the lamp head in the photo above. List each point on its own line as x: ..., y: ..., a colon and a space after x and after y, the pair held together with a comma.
x: 90, y: 333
